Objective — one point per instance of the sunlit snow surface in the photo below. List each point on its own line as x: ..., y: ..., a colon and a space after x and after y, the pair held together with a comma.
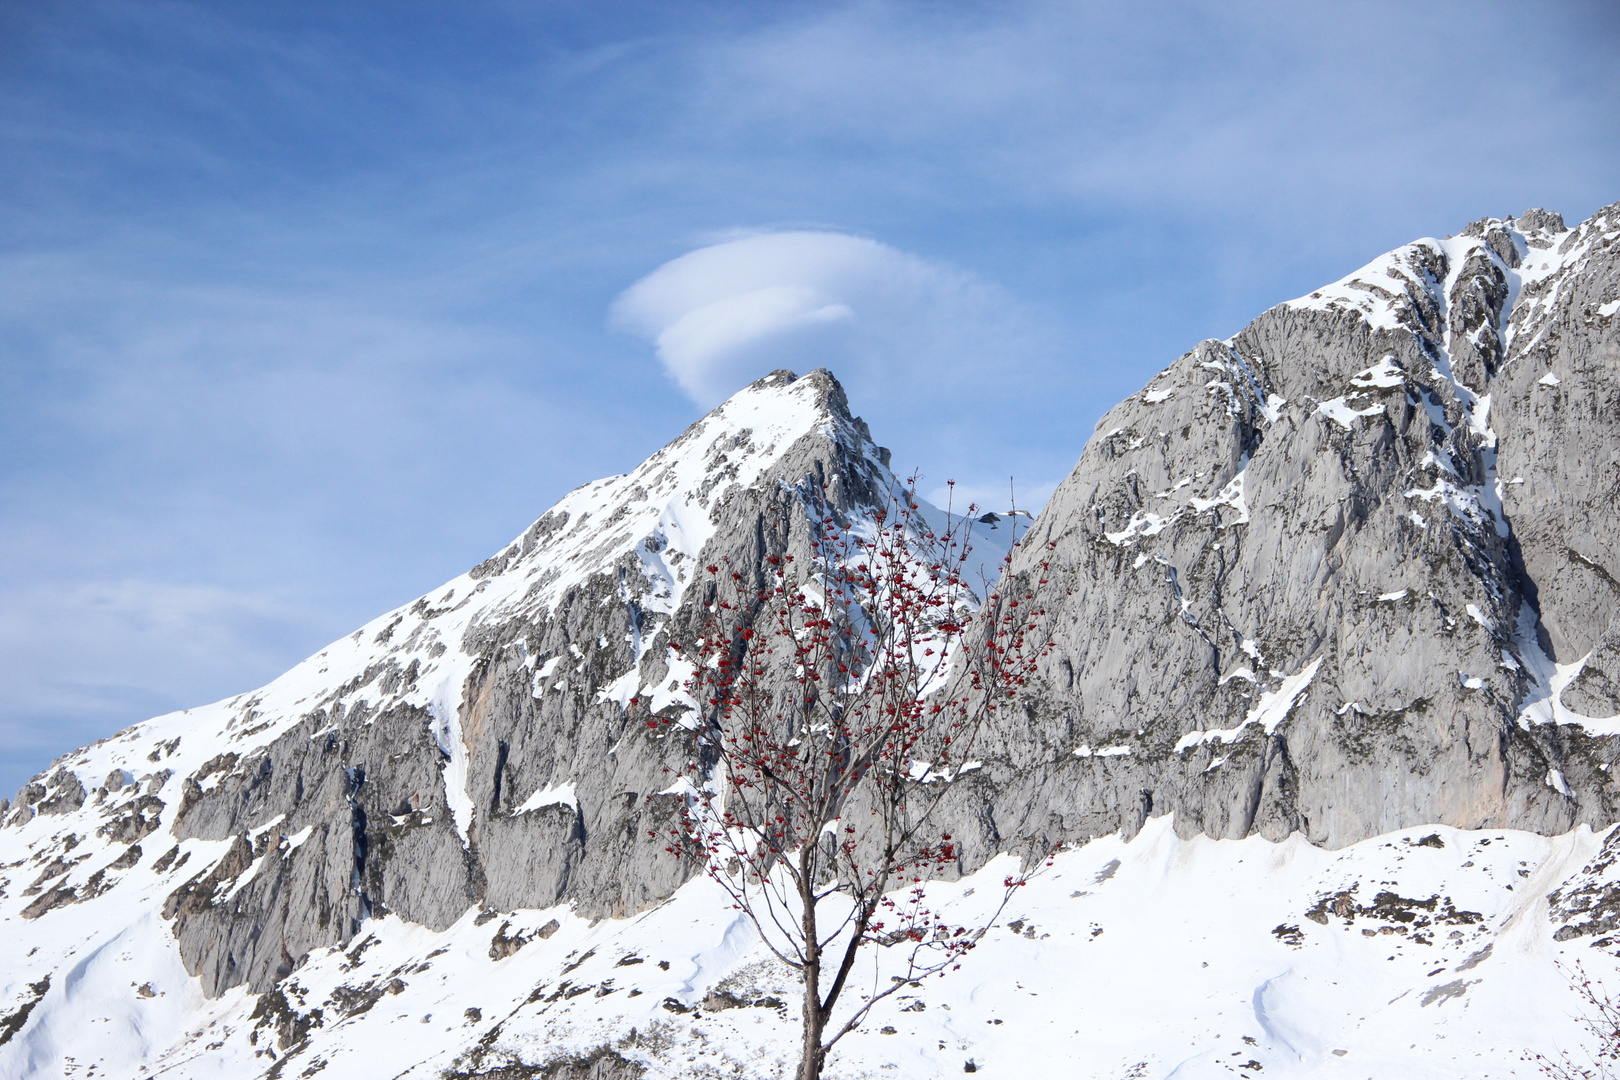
x: 1159, y: 957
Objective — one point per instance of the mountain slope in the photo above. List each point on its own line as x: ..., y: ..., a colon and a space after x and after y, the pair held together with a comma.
x: 469, y: 749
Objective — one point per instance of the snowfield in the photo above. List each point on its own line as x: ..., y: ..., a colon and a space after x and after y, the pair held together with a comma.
x: 1425, y: 953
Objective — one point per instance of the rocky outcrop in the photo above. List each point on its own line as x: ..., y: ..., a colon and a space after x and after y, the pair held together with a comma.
x: 1322, y: 577
x: 1588, y: 903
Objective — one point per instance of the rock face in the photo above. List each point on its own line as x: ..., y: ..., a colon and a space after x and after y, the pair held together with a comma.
x: 1355, y: 569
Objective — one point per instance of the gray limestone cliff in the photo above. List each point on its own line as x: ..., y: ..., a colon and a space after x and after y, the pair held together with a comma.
x: 1356, y: 568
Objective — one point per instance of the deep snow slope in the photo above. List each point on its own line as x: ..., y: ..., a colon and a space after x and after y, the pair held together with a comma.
x: 1355, y: 568
x: 1339, y: 591
x: 1422, y: 954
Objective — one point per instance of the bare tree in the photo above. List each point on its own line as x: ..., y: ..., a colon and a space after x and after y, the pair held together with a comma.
x: 842, y: 695
x: 1601, y: 1018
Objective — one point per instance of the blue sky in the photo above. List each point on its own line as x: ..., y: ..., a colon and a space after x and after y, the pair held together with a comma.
x: 308, y: 307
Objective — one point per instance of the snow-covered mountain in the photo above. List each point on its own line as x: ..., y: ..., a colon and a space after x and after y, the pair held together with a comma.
x: 1329, y: 727
x: 471, y: 748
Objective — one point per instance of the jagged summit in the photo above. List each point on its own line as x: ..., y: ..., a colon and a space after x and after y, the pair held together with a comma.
x: 1468, y: 294
x: 453, y: 751
x: 666, y: 509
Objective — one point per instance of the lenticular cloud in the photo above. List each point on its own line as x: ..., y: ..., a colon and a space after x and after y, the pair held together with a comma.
x: 728, y: 313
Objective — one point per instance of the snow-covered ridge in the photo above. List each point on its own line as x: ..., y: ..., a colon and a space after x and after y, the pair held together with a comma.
x: 662, y: 512
x: 1391, y: 291
x: 71, y: 847
x: 664, y: 509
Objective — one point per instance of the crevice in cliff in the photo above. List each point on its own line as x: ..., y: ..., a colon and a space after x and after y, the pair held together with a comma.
x: 356, y: 775
x: 501, y: 750
x: 1188, y: 617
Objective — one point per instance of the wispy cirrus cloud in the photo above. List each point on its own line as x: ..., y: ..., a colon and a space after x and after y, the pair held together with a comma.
x: 83, y: 654
x: 1190, y: 108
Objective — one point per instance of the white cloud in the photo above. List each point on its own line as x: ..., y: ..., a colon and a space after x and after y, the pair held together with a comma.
x: 881, y: 319
x: 1256, y: 114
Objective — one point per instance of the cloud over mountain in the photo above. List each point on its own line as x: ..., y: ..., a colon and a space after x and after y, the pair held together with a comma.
x: 885, y: 319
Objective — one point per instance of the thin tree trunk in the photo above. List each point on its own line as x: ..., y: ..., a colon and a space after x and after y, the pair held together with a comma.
x: 811, y: 1054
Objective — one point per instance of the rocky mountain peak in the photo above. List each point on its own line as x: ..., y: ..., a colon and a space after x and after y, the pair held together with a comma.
x: 1336, y: 574
x: 666, y: 509
x: 471, y: 747
x: 1537, y: 220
